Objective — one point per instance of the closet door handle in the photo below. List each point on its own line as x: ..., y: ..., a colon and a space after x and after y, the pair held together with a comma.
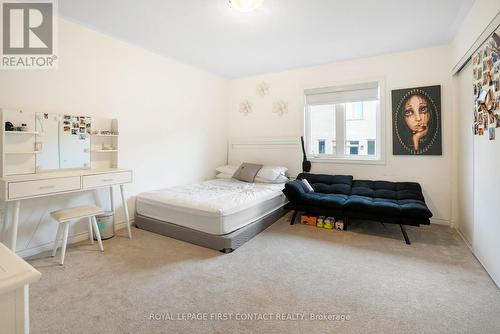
x: 46, y: 187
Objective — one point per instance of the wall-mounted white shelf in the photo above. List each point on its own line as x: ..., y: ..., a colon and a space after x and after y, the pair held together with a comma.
x: 99, y: 135
x: 22, y: 132
x: 65, y: 145
x: 24, y: 152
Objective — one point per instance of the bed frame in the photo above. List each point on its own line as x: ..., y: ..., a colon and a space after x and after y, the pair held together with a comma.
x: 281, y: 151
x: 225, y: 243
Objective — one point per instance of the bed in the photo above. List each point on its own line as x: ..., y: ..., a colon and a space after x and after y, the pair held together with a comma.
x: 220, y: 214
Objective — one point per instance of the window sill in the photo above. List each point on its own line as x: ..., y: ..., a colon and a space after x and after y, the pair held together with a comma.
x: 350, y: 160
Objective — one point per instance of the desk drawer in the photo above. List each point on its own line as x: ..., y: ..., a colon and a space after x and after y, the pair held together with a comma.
x: 42, y: 187
x: 108, y: 179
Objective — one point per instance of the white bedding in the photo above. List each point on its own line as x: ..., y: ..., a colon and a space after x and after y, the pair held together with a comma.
x: 218, y: 206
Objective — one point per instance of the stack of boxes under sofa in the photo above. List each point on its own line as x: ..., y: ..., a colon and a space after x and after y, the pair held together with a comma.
x: 322, y: 222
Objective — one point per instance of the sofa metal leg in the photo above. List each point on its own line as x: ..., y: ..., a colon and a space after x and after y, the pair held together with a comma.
x: 294, y: 216
x: 403, y: 230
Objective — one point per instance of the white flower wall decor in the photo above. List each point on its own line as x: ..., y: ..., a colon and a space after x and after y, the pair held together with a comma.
x: 245, y: 107
x: 280, y: 108
x: 262, y: 89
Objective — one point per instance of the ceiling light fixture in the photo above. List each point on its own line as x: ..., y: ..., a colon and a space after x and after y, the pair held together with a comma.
x: 245, y: 5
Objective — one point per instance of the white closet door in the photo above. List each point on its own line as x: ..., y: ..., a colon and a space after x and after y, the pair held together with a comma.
x: 486, y: 240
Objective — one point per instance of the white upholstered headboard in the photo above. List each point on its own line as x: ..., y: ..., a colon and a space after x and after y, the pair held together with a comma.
x: 277, y: 151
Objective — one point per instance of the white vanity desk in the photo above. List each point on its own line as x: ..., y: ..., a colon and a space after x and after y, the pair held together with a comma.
x: 19, y: 187
x: 47, y: 154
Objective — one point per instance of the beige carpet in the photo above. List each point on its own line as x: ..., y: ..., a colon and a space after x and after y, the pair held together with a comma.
x: 367, y: 274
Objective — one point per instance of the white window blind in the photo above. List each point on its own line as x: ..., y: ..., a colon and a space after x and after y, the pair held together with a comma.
x: 344, y: 94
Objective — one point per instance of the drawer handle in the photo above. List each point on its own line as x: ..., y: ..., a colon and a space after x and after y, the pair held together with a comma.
x: 108, y: 180
x: 46, y: 187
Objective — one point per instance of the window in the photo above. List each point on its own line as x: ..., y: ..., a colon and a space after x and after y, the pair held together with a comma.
x: 321, y: 146
x: 348, y: 117
x: 371, y: 147
x: 324, y: 123
x: 354, y: 111
x: 352, y: 147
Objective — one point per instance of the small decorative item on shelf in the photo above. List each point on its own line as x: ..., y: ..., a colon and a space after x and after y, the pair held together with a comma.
x: 9, y: 126
x: 105, y: 133
x: 320, y: 222
x: 339, y: 225
x: 308, y: 220
x: 329, y: 223
x: 24, y: 127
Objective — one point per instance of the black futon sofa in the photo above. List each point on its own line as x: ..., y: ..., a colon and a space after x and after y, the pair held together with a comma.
x: 399, y: 203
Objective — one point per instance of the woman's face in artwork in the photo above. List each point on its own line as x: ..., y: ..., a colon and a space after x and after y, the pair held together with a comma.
x: 416, y: 113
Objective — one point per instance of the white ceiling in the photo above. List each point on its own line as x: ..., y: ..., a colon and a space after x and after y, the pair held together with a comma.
x: 280, y: 35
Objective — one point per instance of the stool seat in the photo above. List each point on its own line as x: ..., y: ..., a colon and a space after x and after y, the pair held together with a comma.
x: 76, y: 213
x: 65, y: 216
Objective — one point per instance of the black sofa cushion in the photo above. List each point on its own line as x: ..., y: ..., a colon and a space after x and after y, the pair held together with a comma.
x: 294, y: 190
x: 378, y: 206
x: 328, y: 184
x: 414, y: 208
x: 388, y: 198
x: 334, y: 201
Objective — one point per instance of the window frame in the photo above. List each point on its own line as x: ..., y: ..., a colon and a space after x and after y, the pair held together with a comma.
x: 341, y: 157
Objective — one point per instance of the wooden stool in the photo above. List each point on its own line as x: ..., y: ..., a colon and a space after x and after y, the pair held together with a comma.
x: 65, y: 216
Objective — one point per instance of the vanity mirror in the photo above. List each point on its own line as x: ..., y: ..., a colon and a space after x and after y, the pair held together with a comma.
x: 63, y: 141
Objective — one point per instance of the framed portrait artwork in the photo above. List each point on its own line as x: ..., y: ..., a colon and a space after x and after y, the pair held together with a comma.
x: 416, y: 121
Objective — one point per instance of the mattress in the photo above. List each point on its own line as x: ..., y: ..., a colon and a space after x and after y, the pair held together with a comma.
x: 217, y: 207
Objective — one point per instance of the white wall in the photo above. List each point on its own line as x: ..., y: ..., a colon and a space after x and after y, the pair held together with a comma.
x: 171, y: 116
x: 401, y: 70
x: 479, y: 16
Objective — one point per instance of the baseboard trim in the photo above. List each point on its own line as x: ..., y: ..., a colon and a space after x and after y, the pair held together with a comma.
x: 439, y: 221
x: 465, y: 240
x: 72, y: 239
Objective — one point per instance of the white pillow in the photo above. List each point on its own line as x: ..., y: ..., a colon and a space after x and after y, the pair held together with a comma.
x: 227, y: 169
x: 266, y: 173
x: 280, y: 179
x: 223, y: 176
x: 308, y: 186
x: 271, y: 173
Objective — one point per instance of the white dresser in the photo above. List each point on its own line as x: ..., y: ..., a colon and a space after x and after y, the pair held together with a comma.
x: 15, y: 277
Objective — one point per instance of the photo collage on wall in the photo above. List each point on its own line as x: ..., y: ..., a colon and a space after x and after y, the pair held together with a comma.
x: 77, y: 126
x: 486, y: 86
